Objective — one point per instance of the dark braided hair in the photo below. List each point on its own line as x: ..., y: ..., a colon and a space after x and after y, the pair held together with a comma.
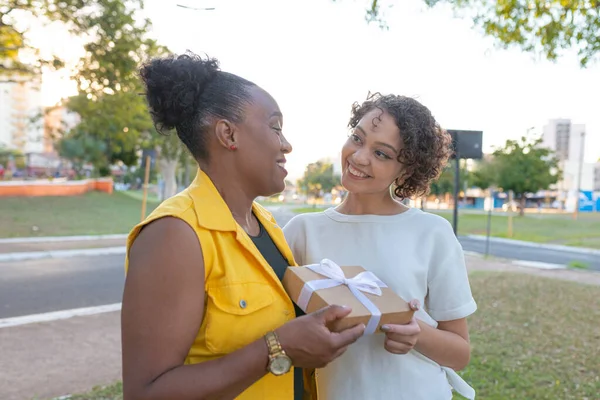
x: 187, y: 92
x: 426, y: 147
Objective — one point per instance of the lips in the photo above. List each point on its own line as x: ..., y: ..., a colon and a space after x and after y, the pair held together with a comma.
x: 281, y: 164
x: 356, y: 173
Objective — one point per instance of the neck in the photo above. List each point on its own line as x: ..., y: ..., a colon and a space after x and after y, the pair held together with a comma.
x: 372, y: 203
x: 236, y: 196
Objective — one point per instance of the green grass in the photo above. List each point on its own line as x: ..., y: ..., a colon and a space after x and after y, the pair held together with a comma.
x: 533, y: 338
x: 93, y: 213
x: 545, y: 228
x: 139, y: 195
x: 578, y: 265
x: 113, y: 392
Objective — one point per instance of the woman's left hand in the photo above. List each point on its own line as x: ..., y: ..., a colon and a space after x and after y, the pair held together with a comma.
x: 400, y: 339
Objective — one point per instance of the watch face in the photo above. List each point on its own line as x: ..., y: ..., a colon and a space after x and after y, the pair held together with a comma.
x: 280, y: 365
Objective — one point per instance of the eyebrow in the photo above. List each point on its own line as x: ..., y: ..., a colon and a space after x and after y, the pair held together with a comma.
x: 389, y: 146
x: 276, y: 114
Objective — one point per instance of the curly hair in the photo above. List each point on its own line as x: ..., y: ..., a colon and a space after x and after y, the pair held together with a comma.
x: 187, y: 92
x: 426, y: 147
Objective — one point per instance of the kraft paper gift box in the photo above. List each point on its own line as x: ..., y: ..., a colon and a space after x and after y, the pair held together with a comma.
x: 315, y: 286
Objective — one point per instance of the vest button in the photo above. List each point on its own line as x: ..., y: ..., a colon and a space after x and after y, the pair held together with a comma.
x: 243, y: 303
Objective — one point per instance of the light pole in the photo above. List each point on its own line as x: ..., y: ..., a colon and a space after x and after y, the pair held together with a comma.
x: 577, y: 200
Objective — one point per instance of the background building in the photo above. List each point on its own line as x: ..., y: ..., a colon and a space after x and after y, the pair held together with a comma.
x: 21, y: 114
x: 568, y: 141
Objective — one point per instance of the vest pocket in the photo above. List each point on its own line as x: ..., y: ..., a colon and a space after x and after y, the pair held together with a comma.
x: 237, y: 314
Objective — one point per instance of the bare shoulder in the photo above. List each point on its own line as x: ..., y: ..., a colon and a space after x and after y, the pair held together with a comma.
x: 166, y: 235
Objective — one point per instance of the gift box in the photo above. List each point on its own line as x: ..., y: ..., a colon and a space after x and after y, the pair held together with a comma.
x: 315, y: 286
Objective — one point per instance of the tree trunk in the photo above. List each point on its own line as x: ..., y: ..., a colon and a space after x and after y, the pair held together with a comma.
x: 522, y: 202
x: 167, y: 170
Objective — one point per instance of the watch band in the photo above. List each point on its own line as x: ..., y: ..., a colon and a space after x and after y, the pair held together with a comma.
x: 273, y: 344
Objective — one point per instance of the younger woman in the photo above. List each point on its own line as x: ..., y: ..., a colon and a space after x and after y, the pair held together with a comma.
x: 395, y: 143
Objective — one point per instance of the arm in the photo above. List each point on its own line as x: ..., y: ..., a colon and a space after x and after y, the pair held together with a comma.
x: 163, y: 305
x: 448, y: 344
x: 163, y: 309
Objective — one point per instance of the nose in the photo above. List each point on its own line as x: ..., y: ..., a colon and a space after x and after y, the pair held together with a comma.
x: 361, y: 156
x: 286, y: 147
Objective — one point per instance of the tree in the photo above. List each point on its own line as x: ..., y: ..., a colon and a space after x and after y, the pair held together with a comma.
x: 318, y: 178
x: 445, y: 183
x: 12, y: 155
x: 523, y: 166
x: 536, y: 26
x: 109, y: 103
x: 80, y: 17
x: 485, y: 175
x: 170, y: 151
x: 82, y: 150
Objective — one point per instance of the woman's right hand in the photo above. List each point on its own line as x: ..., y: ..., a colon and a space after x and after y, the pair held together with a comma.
x: 310, y: 344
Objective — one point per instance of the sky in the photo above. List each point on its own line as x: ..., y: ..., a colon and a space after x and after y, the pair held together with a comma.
x: 317, y: 57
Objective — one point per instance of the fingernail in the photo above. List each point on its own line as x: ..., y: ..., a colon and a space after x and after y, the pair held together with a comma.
x: 415, y: 305
x: 385, y: 328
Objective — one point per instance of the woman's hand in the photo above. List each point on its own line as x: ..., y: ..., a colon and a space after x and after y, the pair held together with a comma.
x: 310, y: 344
x: 400, y: 339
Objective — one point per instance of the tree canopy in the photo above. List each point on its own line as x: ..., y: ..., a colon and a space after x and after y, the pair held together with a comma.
x: 545, y: 27
x: 318, y: 178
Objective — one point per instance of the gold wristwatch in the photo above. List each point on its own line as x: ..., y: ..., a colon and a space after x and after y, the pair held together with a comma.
x: 279, y: 362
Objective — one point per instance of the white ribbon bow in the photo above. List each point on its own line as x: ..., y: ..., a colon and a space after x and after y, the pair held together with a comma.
x: 364, y: 282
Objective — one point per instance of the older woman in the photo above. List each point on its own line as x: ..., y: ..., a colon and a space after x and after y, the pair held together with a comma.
x: 204, y: 312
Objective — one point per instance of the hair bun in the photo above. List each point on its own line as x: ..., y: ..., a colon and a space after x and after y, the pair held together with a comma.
x: 174, y: 86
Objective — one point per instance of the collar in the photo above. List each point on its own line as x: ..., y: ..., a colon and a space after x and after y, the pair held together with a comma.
x: 212, y: 211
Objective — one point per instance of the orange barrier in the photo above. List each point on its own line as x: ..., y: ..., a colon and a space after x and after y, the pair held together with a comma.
x: 55, y: 187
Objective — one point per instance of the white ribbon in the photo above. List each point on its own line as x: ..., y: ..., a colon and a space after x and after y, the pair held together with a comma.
x: 364, y: 282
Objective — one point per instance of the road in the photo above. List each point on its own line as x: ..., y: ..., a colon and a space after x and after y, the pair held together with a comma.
x: 39, y: 286
x: 528, y: 253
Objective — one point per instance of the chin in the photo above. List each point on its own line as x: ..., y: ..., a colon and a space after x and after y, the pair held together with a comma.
x: 352, y: 186
x: 273, y: 189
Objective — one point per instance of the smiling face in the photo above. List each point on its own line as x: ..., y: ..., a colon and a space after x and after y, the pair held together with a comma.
x: 370, y: 155
x: 262, y: 146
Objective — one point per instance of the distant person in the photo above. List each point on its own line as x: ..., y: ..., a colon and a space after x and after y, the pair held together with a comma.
x: 395, y: 147
x: 205, y: 315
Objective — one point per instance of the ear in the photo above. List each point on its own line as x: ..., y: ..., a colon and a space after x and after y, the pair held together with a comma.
x: 226, y: 133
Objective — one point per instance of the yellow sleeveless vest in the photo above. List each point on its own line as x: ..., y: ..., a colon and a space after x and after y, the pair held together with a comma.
x: 244, y: 297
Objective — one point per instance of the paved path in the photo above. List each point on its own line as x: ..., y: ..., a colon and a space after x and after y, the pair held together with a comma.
x: 61, y: 357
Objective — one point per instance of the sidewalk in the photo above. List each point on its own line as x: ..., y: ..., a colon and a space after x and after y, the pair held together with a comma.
x: 56, y: 358
x: 23, y: 247
x: 478, y: 263
x: 51, y: 359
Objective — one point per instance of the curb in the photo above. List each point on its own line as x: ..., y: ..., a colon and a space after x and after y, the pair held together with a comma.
x: 558, y: 247
x: 47, y: 239
x: 38, y: 255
